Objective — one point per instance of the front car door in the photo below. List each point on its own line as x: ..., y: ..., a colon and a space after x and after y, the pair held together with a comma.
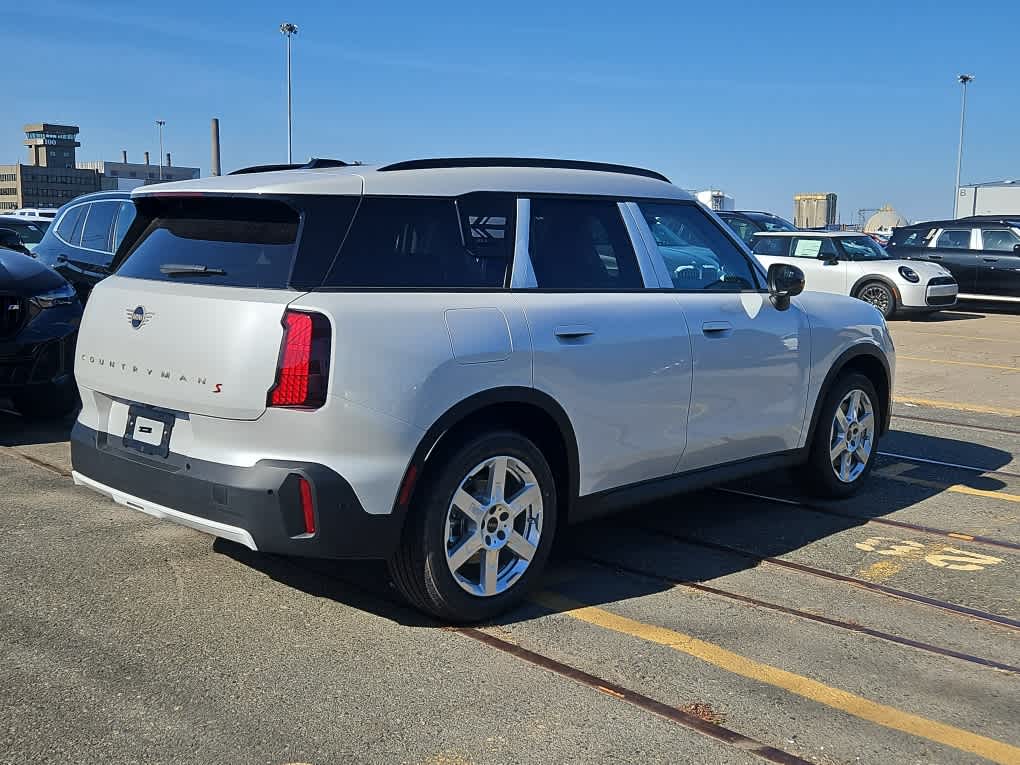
x: 998, y: 272
x: 751, y: 361
x: 614, y: 354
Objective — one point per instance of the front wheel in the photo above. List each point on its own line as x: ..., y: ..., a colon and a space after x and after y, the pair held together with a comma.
x: 845, y: 443
x: 480, y: 529
x: 880, y: 296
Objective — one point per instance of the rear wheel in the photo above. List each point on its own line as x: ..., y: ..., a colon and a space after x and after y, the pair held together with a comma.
x: 846, y: 438
x: 880, y: 296
x: 480, y: 530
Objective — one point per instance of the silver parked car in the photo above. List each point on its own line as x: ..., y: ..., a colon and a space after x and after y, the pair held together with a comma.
x: 440, y: 362
x: 851, y: 263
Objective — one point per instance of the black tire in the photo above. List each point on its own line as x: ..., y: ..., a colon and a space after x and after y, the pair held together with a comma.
x: 419, y: 567
x: 52, y: 404
x: 880, y: 295
x: 819, y: 475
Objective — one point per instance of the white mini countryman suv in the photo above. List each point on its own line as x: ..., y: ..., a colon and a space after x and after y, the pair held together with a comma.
x: 440, y: 363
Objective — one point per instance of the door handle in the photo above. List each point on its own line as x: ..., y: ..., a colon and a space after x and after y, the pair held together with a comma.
x: 934, y: 257
x: 717, y: 328
x: 573, y: 331
x: 990, y: 260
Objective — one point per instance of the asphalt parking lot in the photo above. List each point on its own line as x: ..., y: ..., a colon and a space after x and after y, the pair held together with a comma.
x: 729, y: 626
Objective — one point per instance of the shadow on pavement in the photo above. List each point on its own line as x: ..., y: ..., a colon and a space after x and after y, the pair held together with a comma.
x: 655, y: 534
x: 15, y: 430
x: 942, y: 316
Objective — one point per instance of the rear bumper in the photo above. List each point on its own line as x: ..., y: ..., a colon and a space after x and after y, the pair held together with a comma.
x: 258, y: 506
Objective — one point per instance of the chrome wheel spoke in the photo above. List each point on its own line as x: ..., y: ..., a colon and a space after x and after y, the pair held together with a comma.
x: 867, y: 421
x: 490, y: 572
x: 863, y: 453
x: 838, y: 448
x: 844, y: 466
x: 468, y: 505
x: 521, y: 546
x: 855, y: 405
x: 463, y: 553
x: 526, y: 498
x: 841, y: 419
x: 497, y: 480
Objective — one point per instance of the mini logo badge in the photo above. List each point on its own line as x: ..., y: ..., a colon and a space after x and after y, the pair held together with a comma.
x: 139, y: 317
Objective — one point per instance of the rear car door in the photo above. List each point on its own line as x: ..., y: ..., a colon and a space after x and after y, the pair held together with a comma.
x: 952, y: 248
x: 998, y: 273
x: 614, y: 354
x: 751, y: 361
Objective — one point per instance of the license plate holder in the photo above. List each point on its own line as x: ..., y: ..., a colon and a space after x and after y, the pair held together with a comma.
x: 148, y: 431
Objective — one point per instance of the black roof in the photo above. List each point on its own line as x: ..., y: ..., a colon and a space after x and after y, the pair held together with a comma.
x: 565, y: 164
x: 312, y: 164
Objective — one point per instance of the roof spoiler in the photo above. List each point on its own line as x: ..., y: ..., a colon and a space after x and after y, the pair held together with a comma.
x: 313, y: 164
x: 564, y: 164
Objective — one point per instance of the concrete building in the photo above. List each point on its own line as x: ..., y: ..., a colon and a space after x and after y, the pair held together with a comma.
x: 716, y: 200
x: 51, y: 177
x: 814, y: 210
x: 995, y: 198
x: 884, y: 221
x: 124, y: 175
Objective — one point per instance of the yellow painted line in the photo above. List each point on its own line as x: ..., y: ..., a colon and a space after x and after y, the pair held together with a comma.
x: 959, y: 407
x: 858, y: 706
x: 957, y: 535
x: 957, y: 363
x: 895, y: 472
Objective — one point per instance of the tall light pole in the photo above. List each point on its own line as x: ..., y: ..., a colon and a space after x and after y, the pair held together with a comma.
x: 288, y: 31
x: 963, y: 79
x: 159, y: 127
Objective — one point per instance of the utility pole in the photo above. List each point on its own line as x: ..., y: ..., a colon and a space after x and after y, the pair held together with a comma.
x: 964, y: 80
x: 159, y: 126
x: 289, y: 30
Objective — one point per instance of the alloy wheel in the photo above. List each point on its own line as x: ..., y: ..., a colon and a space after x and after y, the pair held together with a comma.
x: 852, y: 436
x: 878, y: 296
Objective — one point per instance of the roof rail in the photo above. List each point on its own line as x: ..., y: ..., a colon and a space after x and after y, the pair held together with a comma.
x: 312, y: 164
x: 566, y: 164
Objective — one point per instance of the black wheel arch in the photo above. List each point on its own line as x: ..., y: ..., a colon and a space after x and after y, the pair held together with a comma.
x: 530, y: 411
x: 867, y: 359
x: 882, y: 280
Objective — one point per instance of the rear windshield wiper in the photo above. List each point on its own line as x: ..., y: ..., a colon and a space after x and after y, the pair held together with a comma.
x: 180, y: 269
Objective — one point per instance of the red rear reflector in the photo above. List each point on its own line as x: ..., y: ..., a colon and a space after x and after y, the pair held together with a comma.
x: 408, y: 486
x: 307, y: 506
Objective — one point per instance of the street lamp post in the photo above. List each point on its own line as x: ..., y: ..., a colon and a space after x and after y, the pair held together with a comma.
x: 963, y: 79
x: 159, y: 126
x: 289, y: 30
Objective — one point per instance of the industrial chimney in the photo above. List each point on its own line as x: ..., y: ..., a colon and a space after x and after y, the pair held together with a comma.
x: 123, y: 156
x: 215, y: 168
x: 168, y: 159
x: 146, y: 157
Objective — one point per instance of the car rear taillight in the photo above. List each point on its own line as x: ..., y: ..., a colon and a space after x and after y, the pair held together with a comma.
x: 302, y: 373
x: 307, y: 505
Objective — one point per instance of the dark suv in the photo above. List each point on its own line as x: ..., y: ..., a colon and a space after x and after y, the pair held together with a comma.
x: 84, y: 235
x: 982, y: 252
x: 747, y: 223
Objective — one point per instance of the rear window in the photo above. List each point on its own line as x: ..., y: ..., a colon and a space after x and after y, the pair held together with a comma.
x: 237, y: 242
x: 427, y: 243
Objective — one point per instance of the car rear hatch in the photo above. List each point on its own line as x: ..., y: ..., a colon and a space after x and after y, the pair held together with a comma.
x: 193, y: 320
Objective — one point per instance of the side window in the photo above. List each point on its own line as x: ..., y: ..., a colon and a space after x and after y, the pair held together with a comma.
x: 69, y: 228
x: 772, y: 246
x: 742, y: 228
x: 427, y: 243
x: 98, y: 225
x: 957, y: 239
x: 814, y: 248
x: 698, y: 255
x: 999, y: 239
x: 125, y: 217
x: 581, y: 244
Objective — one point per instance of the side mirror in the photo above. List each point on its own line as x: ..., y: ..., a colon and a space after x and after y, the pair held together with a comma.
x: 785, y: 281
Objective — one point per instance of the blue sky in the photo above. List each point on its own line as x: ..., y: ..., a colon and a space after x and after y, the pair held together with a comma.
x: 762, y: 100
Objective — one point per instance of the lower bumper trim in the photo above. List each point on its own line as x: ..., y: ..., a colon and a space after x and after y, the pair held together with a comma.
x: 215, y: 528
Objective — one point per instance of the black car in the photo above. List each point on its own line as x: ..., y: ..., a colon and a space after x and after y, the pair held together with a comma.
x: 39, y: 318
x: 982, y: 252
x: 747, y: 223
x: 30, y: 232
x: 84, y: 235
